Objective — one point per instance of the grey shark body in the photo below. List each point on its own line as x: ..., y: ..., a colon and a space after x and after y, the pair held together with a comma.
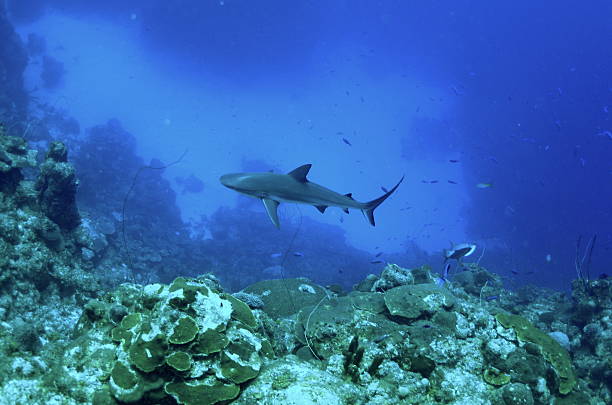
x: 294, y: 187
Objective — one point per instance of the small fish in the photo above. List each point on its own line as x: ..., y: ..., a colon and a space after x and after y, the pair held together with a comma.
x: 346, y: 141
x: 548, y: 258
x: 433, y: 181
x: 276, y: 255
x: 452, y: 182
x: 298, y: 254
x: 427, y: 326
x: 446, y: 271
x: 484, y: 185
x: 453, y: 160
x: 514, y: 272
x: 380, y: 338
x: 378, y: 254
x: 376, y: 261
x: 606, y: 133
x: 606, y: 109
x: 491, y: 297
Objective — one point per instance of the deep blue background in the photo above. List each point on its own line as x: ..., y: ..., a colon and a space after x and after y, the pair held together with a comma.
x: 520, y: 93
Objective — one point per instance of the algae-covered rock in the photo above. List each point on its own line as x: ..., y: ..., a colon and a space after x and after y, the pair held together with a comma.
x: 475, y: 278
x: 517, y: 394
x: 201, y: 392
x: 287, y: 296
x: 495, y: 377
x: 368, y: 301
x: 291, y: 381
x: 550, y: 349
x: 414, y: 301
x: 14, y: 155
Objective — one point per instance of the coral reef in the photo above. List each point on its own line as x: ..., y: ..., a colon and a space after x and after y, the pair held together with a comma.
x: 183, y: 340
x: 57, y: 186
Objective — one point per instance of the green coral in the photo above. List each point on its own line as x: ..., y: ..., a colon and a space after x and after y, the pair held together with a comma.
x: 185, y: 337
x: 201, y: 393
x: 495, y: 377
x: 184, y: 292
x: 147, y: 355
x: 241, y: 311
x: 184, y: 331
x: 180, y: 361
x: 210, y: 341
x: 551, y: 350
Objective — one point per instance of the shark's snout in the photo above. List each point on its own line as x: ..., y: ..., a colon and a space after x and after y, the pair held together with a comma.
x: 228, y: 180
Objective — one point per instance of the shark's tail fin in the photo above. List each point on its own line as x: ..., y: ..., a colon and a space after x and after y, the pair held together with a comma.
x: 371, y: 206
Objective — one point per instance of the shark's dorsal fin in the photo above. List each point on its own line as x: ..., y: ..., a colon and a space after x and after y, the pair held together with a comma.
x: 349, y: 195
x: 321, y: 208
x: 300, y: 173
x: 346, y: 211
x: 271, y: 206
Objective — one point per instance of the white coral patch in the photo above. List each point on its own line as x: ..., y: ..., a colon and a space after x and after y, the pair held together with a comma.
x: 501, y: 347
x: 307, y: 289
x: 211, y: 310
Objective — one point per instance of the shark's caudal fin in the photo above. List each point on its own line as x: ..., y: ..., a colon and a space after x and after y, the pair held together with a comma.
x: 371, y: 206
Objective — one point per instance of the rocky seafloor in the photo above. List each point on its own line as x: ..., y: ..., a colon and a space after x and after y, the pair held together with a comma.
x: 400, y: 337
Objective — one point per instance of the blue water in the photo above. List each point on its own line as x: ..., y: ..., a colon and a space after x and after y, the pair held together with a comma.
x: 515, y: 96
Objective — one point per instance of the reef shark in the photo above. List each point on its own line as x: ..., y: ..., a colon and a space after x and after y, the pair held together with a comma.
x: 294, y: 187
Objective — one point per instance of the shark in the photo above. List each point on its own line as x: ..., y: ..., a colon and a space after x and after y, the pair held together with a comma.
x: 294, y: 187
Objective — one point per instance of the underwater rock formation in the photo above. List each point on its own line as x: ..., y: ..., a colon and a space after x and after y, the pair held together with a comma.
x: 14, y: 156
x: 57, y: 186
x: 13, y: 61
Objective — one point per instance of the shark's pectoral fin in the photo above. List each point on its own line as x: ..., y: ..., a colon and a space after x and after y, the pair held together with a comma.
x: 346, y: 211
x: 321, y: 208
x: 300, y: 173
x: 271, y: 209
